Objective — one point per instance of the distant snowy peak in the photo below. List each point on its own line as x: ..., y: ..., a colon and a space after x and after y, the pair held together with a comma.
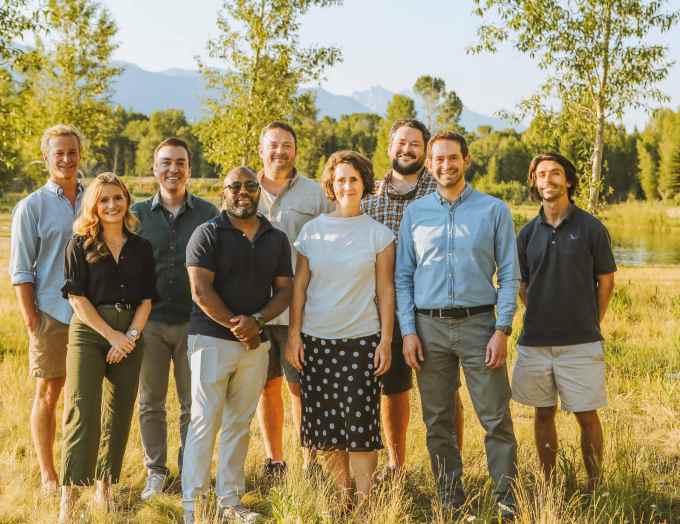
x: 147, y: 91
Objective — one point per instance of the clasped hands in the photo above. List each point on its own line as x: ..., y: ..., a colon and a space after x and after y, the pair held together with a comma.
x: 121, y: 347
x: 246, y: 329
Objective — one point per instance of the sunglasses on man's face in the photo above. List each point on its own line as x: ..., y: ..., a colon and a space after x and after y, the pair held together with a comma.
x: 235, y: 187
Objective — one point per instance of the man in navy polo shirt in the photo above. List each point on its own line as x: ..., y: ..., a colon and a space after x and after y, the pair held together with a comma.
x: 240, y: 275
x: 567, y: 270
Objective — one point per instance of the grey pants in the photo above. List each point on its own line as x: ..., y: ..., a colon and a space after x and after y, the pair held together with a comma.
x: 163, y: 343
x: 448, y: 343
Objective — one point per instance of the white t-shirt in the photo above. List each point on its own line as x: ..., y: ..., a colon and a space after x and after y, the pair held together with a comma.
x: 341, y: 293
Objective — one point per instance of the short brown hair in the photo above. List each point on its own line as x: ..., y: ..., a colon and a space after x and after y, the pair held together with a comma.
x: 59, y: 130
x: 569, y: 173
x: 357, y: 161
x: 448, y: 135
x: 277, y: 124
x: 413, y: 124
x: 173, y: 142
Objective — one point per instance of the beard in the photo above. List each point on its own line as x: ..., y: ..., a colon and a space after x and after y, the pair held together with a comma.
x: 410, y: 169
x: 240, y: 211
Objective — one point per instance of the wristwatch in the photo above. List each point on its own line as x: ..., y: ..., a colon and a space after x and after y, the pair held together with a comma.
x: 259, y: 319
x: 507, y: 330
x: 133, y: 334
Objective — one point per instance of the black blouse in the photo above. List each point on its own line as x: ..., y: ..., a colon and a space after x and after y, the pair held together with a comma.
x: 129, y: 281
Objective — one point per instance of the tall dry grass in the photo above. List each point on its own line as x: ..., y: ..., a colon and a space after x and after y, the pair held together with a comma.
x: 641, y: 480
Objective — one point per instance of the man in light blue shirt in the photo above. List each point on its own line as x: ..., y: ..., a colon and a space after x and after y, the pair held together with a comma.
x: 451, y: 244
x: 42, y: 224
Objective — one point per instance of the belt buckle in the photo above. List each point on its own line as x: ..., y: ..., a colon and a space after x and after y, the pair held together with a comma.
x: 119, y: 306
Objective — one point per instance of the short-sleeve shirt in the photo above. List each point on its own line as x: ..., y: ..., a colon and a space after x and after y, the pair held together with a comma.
x: 560, y: 266
x: 128, y: 281
x: 341, y: 293
x: 244, y: 270
x: 299, y: 202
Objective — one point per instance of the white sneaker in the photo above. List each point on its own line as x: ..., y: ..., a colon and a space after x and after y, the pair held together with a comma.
x: 239, y: 514
x: 154, y: 485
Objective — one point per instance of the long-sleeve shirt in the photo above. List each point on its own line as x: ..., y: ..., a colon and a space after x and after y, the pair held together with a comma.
x: 448, y: 254
x: 42, y: 225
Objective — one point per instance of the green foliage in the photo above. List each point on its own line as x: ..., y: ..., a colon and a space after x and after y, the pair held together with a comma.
x: 67, y: 78
x: 400, y: 107
x: 669, y: 159
x: 15, y: 20
x: 502, y: 156
x: 258, y: 45
x: 442, y: 108
x: 597, y: 54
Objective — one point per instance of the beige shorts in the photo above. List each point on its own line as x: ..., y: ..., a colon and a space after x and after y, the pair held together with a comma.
x: 574, y: 372
x: 47, y: 348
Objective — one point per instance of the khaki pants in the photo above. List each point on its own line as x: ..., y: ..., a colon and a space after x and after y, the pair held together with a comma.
x: 226, y: 382
x: 100, y: 399
x: 448, y: 344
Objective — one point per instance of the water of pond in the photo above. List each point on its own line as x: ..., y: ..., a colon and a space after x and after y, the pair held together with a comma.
x: 642, y: 247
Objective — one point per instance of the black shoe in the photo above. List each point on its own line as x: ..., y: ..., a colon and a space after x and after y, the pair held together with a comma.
x: 274, y: 470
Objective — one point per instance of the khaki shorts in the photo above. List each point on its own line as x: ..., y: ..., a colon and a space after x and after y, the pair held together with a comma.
x: 47, y: 348
x: 574, y: 372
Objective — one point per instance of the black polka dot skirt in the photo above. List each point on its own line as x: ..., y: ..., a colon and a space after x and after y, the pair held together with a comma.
x: 340, y: 394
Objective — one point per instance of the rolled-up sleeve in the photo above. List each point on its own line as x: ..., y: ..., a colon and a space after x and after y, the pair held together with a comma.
x: 24, y: 245
x: 403, y: 277
x: 76, y: 269
x: 507, y: 267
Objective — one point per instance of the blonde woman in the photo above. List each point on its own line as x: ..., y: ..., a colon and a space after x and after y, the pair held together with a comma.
x: 110, y: 283
x: 338, y: 338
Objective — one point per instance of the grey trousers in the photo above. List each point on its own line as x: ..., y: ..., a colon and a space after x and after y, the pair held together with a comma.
x: 163, y: 343
x: 448, y: 343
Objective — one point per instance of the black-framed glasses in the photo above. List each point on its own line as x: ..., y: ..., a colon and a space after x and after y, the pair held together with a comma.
x: 235, y: 187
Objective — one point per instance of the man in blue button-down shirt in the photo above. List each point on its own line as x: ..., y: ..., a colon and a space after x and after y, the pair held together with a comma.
x: 451, y: 244
x: 42, y: 224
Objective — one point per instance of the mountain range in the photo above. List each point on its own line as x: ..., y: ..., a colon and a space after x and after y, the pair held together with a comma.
x: 145, y: 91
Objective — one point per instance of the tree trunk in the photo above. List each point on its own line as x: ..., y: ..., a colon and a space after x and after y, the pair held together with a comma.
x: 596, y: 175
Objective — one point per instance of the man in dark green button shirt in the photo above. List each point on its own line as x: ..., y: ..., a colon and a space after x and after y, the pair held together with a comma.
x: 167, y: 220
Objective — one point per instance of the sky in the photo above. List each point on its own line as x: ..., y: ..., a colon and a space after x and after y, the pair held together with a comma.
x: 384, y: 42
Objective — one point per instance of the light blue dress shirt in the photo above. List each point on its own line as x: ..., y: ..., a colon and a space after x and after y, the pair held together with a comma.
x: 42, y: 225
x: 448, y: 254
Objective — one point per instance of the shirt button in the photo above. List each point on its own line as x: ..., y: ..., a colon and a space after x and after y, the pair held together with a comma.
x: 553, y: 242
x: 122, y: 285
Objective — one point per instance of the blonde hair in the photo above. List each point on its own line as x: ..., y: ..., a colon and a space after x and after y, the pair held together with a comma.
x: 87, y: 224
x: 59, y: 130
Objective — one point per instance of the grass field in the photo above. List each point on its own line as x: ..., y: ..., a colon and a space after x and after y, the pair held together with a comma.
x: 642, y: 424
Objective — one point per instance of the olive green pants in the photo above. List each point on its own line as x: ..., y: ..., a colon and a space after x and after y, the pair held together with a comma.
x: 100, y: 399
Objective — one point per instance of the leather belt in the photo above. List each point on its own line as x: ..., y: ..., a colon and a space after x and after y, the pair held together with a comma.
x: 456, y: 312
x: 118, y: 306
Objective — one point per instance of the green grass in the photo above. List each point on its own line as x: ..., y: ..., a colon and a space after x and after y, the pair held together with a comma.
x: 642, y: 425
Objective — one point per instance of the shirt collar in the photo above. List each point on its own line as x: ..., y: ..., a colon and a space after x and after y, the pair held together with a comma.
x: 567, y: 217
x: 55, y: 188
x: 291, y: 181
x: 223, y: 222
x: 156, y: 201
x: 388, y: 188
x: 467, y: 191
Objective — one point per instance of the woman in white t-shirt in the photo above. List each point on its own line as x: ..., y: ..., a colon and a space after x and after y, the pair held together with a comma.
x: 340, y: 335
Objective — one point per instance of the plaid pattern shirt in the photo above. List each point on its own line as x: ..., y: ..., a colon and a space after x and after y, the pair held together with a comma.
x: 387, y: 206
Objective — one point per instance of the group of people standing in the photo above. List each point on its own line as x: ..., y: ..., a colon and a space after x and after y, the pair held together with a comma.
x: 339, y: 287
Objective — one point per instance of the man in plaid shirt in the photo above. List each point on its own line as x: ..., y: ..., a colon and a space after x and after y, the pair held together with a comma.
x: 407, y: 181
